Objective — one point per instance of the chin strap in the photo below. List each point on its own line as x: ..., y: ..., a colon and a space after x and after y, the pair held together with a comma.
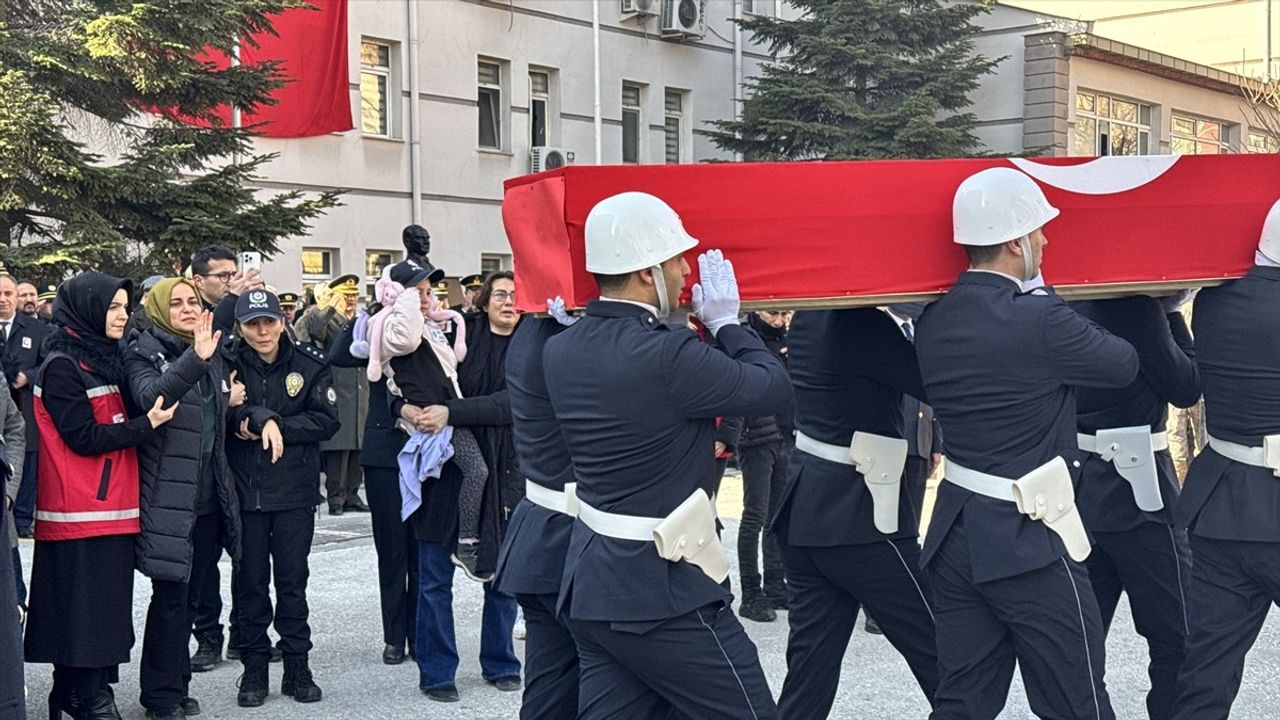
x: 1028, y: 269
x: 660, y: 284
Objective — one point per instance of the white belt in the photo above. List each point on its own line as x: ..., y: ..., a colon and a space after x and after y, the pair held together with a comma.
x: 688, y: 533
x: 1045, y: 495
x: 1267, y: 456
x: 1132, y: 450
x: 879, y: 459
x: 564, y: 502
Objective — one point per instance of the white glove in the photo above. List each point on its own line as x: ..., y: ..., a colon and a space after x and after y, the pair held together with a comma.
x: 556, y: 309
x: 715, y: 298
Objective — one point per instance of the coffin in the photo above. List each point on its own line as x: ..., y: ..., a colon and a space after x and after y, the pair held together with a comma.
x: 845, y: 234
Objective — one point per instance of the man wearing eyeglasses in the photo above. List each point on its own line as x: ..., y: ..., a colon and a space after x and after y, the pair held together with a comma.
x: 216, y: 273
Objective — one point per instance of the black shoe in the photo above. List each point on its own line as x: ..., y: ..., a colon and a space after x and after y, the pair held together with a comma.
x: 466, y: 557
x: 26, y: 533
x: 100, y: 707
x: 190, y: 706
x: 64, y: 702
x: 444, y: 694
x: 393, y: 654
x: 253, y: 682
x: 778, y: 602
x: 757, y: 609
x: 297, y: 682
x: 507, y: 684
x: 355, y: 504
x: 175, y: 713
x: 335, y: 509
x: 233, y: 652
x: 276, y: 654
x: 872, y: 627
x: 208, y: 653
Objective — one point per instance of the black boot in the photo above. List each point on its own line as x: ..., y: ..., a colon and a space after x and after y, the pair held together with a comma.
x: 755, y: 607
x: 64, y: 701
x: 208, y: 652
x: 297, y: 681
x: 253, y: 682
x: 101, y: 706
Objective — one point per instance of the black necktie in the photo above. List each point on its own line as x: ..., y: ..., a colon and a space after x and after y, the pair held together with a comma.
x: 906, y: 330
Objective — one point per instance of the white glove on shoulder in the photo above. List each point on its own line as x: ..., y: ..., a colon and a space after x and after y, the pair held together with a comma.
x: 715, y: 296
x: 556, y: 309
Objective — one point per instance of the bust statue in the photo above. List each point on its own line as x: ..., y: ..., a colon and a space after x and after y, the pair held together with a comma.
x: 417, y: 243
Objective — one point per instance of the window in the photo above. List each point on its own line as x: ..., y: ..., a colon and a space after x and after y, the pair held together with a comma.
x: 375, y: 88
x: 1261, y: 142
x: 374, y: 263
x: 1196, y: 136
x: 491, y: 107
x: 673, y: 124
x: 1111, y: 126
x: 758, y: 7
x: 317, y: 267
x: 493, y: 262
x: 539, y: 107
x: 631, y: 122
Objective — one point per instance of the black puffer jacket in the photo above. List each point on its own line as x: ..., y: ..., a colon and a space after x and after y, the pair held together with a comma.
x: 297, y: 392
x: 765, y: 429
x: 159, y: 364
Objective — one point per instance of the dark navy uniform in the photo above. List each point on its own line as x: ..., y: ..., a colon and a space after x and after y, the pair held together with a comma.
x: 531, y: 562
x: 1137, y: 551
x: 637, y: 401
x: 850, y: 369
x: 1232, y: 509
x: 998, y: 367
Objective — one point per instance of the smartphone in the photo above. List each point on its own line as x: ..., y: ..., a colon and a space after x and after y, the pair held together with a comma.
x: 250, y: 260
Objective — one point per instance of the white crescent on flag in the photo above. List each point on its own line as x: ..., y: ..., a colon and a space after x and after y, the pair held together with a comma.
x: 1104, y: 176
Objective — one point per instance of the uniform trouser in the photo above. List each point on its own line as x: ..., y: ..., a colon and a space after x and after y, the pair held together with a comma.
x: 24, y: 505
x: 1046, y: 620
x: 697, y: 665
x: 276, y: 546
x: 437, y: 653
x: 342, y: 476
x: 764, y: 475
x: 207, y: 621
x: 19, y: 582
x: 826, y: 586
x: 165, y: 672
x: 915, y: 480
x: 1233, y: 585
x: 1151, y: 563
x: 550, y: 662
x: 397, y: 557
x: 11, y: 667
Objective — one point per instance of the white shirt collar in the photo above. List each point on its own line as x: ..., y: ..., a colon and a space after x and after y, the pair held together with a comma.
x: 646, y: 306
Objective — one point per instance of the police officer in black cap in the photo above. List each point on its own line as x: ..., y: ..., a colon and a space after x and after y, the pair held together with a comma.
x: 1128, y: 488
x: 637, y: 401
x: 846, y: 525
x: 1005, y: 545
x: 1232, y: 493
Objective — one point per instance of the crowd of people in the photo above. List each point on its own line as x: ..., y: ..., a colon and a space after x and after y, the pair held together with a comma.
x: 570, y: 463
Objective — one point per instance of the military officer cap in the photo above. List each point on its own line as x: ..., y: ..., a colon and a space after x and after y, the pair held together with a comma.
x: 48, y: 294
x: 472, y: 282
x: 288, y: 300
x: 347, y: 285
x: 441, y: 289
x: 4, y: 271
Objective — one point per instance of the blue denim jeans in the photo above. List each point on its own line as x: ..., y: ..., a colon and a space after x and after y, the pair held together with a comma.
x: 437, y: 648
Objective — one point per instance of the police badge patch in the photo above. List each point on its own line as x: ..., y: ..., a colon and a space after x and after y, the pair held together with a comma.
x: 331, y: 395
x: 293, y: 384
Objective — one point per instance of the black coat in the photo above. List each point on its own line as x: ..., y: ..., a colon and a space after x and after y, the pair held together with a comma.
x: 21, y: 354
x: 382, y: 441
x: 161, y: 365
x: 297, y: 392
x: 765, y: 429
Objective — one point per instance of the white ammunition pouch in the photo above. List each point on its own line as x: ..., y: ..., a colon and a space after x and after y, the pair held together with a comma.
x: 879, y: 459
x: 688, y: 533
x: 1045, y: 495
x: 1267, y: 456
x: 565, y: 503
x: 1132, y: 451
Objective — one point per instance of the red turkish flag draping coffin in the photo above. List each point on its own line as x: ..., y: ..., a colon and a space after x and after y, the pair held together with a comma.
x: 831, y: 234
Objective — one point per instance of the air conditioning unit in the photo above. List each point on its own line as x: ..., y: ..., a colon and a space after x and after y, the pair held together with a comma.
x: 640, y: 7
x: 549, y: 158
x: 682, y: 18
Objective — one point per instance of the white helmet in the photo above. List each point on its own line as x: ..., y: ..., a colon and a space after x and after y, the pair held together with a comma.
x: 1269, y: 245
x: 632, y: 231
x: 998, y: 205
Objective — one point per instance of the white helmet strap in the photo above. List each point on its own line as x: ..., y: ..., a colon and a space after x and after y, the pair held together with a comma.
x: 660, y: 284
x: 1028, y: 266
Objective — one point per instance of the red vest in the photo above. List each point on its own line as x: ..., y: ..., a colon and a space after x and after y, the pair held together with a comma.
x: 85, y: 496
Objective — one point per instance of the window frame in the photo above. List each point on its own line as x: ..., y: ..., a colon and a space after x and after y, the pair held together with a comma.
x: 1223, y: 143
x: 370, y: 280
x: 680, y: 116
x: 312, y: 279
x: 500, y: 105
x: 1270, y: 143
x: 1142, y: 130
x: 390, y: 77
x: 551, y: 107
x: 638, y: 111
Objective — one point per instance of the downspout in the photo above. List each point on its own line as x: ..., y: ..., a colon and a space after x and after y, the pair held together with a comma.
x: 737, y: 69
x: 415, y: 136
x: 595, y: 49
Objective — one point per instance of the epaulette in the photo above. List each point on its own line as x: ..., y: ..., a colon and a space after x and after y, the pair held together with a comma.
x: 310, y: 351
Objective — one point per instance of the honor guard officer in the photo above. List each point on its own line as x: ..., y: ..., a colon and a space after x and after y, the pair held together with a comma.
x: 532, y: 559
x: 1229, y: 502
x: 846, y: 527
x: 1005, y: 543
x: 637, y: 401
x: 1127, y: 487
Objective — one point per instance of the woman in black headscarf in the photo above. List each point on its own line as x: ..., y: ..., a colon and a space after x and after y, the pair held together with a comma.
x: 81, y: 617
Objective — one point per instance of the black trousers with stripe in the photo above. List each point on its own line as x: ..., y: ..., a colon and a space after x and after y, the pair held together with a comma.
x: 1152, y: 564
x: 1046, y: 620
x: 698, y: 665
x: 825, y: 588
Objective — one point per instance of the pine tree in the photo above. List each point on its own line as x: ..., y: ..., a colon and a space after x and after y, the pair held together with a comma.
x: 90, y: 178
x: 861, y: 79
